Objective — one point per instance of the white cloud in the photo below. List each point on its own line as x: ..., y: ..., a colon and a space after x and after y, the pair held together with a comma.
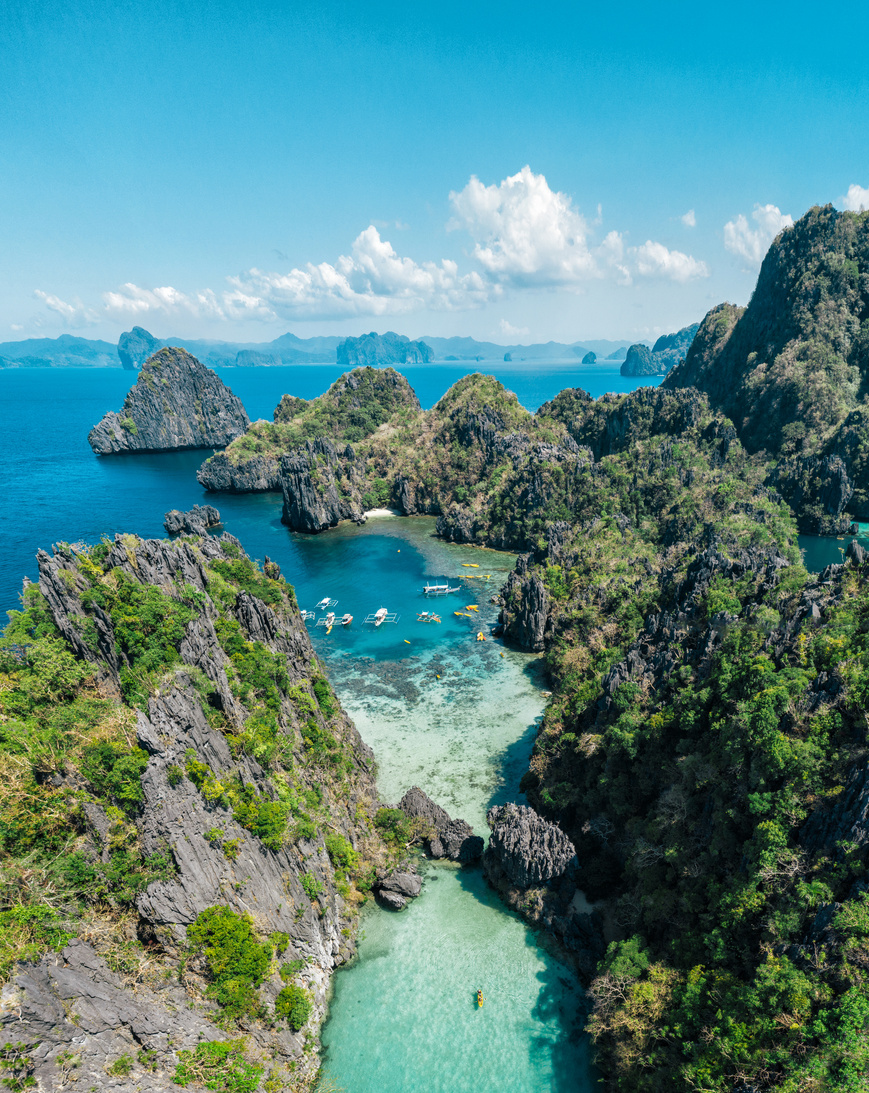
x: 689, y: 219
x: 524, y: 233
x: 655, y: 260
x: 511, y: 331
x: 17, y: 326
x: 75, y: 315
x: 856, y: 200
x: 372, y: 280
x: 753, y: 243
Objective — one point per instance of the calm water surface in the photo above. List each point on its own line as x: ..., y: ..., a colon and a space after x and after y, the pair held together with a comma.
x: 441, y: 709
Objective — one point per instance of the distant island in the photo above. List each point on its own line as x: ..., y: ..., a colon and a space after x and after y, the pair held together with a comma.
x: 135, y: 346
x: 665, y: 354
x: 379, y: 350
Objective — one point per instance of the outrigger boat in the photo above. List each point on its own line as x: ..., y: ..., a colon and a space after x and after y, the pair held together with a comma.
x: 308, y: 615
x: 428, y: 616
x: 381, y: 615
x: 439, y: 589
x: 324, y: 603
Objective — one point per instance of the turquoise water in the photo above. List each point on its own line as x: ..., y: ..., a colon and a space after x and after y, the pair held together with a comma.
x: 441, y: 709
x: 819, y: 551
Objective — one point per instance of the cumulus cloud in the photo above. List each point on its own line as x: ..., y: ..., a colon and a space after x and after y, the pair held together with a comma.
x: 655, y: 260
x: 753, y: 243
x: 134, y: 302
x: 689, y: 219
x: 511, y: 331
x: 371, y: 280
x: 74, y: 315
x: 856, y: 200
x: 524, y: 233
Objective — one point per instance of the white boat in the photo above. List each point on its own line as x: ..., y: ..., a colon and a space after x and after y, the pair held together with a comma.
x: 346, y: 620
x: 380, y: 616
x: 325, y: 602
x: 438, y: 589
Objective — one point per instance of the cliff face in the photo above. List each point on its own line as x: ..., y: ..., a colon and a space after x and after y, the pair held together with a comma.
x: 319, y: 487
x: 175, y: 404
x: 222, y: 794
x: 792, y: 368
x: 378, y: 350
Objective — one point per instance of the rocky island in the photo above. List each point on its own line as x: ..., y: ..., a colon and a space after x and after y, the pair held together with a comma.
x: 791, y: 369
x: 380, y: 350
x: 668, y: 351
x: 176, y: 403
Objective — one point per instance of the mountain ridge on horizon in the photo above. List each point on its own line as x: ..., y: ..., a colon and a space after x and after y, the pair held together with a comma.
x: 72, y: 351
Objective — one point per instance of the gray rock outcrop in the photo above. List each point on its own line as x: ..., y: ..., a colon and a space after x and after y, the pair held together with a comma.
x: 527, y: 849
x: 70, y: 1004
x: 195, y: 521
x: 589, y: 358
x: 177, y: 403
x: 445, y: 837
x: 319, y: 488
x: 397, y: 888
x: 258, y: 474
x: 525, y: 612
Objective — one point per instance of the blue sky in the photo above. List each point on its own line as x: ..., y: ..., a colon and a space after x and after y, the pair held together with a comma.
x: 513, y: 171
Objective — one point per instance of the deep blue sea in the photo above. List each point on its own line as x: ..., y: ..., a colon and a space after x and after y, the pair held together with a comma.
x: 55, y: 488
x: 441, y: 709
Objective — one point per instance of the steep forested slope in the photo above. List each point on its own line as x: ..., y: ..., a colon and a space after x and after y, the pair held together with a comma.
x: 792, y: 369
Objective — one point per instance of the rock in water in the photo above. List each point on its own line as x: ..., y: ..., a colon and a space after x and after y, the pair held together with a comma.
x: 195, y: 521
x: 397, y: 888
x: 136, y: 346
x: 447, y: 838
x: 177, y: 403
x: 589, y: 358
x: 528, y: 849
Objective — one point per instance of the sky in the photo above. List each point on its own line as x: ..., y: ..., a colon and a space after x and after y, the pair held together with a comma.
x: 509, y: 171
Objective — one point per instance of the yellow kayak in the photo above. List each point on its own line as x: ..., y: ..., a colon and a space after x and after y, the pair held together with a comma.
x: 470, y: 565
x: 461, y: 614
x: 471, y: 607
x: 480, y: 635
x: 480, y: 999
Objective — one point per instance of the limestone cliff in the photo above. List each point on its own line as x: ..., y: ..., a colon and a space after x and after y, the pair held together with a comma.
x: 176, y: 403
x: 226, y: 787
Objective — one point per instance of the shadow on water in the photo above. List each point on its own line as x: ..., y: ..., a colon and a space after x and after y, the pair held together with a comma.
x: 556, y: 1019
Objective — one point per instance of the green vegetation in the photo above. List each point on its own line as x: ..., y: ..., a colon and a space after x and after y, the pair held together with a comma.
x: 218, y: 1065
x: 236, y: 961
x: 296, y: 1005
x: 685, y: 799
x: 792, y: 369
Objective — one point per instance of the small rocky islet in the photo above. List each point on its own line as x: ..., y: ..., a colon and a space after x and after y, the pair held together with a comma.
x: 176, y: 404
x: 699, y: 774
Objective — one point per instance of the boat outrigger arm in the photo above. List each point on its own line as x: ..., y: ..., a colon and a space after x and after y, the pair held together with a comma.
x: 439, y: 589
